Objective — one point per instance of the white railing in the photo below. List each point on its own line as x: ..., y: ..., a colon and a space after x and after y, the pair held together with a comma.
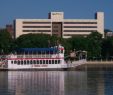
x: 35, y: 56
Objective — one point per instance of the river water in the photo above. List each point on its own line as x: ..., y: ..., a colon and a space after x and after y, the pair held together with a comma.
x: 56, y: 83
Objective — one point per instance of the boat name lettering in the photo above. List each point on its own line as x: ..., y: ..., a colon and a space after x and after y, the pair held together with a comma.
x: 40, y: 65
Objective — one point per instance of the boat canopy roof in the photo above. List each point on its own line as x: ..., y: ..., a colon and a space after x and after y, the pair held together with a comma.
x: 37, y: 49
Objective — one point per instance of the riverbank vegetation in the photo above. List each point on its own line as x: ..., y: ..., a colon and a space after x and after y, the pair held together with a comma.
x: 96, y: 46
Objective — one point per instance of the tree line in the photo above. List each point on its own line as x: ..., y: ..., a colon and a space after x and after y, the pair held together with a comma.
x: 94, y: 44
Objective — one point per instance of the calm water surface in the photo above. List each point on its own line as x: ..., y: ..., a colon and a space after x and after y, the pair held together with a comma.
x: 56, y: 83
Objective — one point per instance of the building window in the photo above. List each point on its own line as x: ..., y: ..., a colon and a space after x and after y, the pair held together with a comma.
x: 80, y: 30
x: 55, y: 26
x: 80, y: 22
x: 55, y: 30
x: 36, y: 30
x: 80, y: 26
x: 31, y: 22
x: 36, y: 26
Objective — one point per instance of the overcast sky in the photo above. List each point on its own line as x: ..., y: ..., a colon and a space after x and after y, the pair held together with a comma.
x: 77, y: 9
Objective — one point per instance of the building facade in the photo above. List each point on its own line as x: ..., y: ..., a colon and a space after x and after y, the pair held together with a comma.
x: 57, y: 25
x: 10, y: 29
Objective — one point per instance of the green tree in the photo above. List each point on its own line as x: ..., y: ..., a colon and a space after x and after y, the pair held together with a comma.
x: 78, y: 43
x: 41, y: 40
x: 5, y: 41
x: 32, y: 40
x: 107, y: 47
x: 67, y: 44
x: 94, y: 44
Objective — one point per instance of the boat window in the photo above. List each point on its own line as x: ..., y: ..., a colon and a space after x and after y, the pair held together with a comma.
x: 49, y: 61
x: 27, y: 61
x: 34, y: 61
x: 40, y: 61
x: 12, y: 62
x: 15, y: 62
x: 43, y: 61
x: 21, y: 62
x: 37, y: 61
x: 18, y: 62
x: 55, y: 61
x: 58, y: 61
x: 30, y: 61
x: 24, y: 62
x: 61, y: 51
x: 46, y: 61
x: 52, y: 61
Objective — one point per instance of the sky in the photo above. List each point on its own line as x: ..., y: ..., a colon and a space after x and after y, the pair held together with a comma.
x: 37, y: 9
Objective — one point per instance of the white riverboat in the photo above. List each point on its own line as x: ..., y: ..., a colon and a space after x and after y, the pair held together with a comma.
x: 39, y: 59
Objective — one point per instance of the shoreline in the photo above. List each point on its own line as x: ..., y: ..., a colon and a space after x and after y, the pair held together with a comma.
x: 96, y: 65
x: 99, y: 62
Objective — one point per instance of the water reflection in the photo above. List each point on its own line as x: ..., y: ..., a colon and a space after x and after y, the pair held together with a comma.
x: 100, y: 83
x: 36, y: 83
x: 3, y: 83
x: 108, y: 81
x: 76, y: 83
x: 95, y: 83
x: 47, y: 83
x: 56, y: 83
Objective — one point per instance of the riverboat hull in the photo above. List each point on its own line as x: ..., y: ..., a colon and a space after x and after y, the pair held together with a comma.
x: 51, y: 67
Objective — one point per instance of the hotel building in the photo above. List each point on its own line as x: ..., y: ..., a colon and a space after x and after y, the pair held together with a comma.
x: 57, y: 25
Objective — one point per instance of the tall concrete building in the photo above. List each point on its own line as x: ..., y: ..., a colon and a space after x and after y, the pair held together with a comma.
x: 57, y: 25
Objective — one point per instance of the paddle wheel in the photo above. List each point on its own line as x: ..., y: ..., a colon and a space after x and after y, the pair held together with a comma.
x: 3, y: 62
